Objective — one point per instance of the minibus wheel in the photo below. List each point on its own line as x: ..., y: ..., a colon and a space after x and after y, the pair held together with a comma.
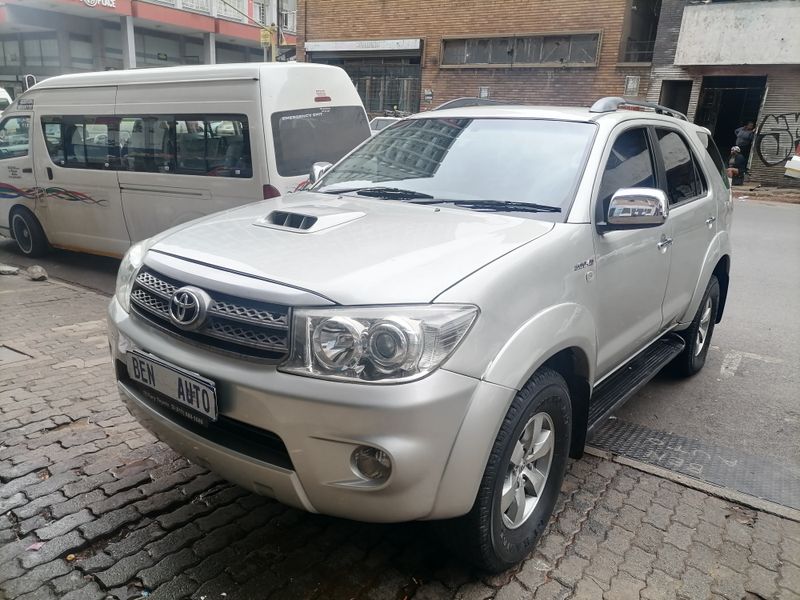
x: 28, y: 233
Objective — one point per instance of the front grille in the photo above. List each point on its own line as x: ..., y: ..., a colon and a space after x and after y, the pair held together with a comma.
x: 234, y: 325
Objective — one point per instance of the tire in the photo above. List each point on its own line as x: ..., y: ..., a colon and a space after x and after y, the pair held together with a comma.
x: 28, y: 233
x: 698, y: 336
x: 494, y: 539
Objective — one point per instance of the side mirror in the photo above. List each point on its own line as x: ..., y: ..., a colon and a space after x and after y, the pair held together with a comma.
x: 634, y: 208
x: 318, y: 169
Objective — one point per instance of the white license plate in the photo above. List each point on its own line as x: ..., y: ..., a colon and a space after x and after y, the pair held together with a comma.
x: 188, y: 393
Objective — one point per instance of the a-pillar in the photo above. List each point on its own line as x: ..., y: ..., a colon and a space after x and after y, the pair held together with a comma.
x: 128, y: 43
x: 209, y: 48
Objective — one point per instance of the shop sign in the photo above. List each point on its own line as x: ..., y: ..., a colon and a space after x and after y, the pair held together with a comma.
x: 427, y: 94
x: 363, y: 45
x: 103, y: 3
x: 631, y: 85
x: 483, y: 91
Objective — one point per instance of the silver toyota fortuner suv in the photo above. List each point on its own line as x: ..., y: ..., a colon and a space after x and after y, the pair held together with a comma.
x: 432, y: 329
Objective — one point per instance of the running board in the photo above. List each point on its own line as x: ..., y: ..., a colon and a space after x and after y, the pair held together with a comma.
x: 622, y: 385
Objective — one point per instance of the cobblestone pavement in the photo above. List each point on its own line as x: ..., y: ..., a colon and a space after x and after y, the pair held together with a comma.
x: 91, y: 506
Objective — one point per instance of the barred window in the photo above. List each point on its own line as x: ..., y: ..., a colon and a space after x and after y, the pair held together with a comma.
x: 571, y: 50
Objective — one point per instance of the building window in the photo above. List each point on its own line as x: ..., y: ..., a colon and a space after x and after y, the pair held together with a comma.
x: 80, y: 49
x: 639, y: 32
x: 260, y: 12
x: 568, y: 50
x: 41, y: 52
x: 9, y: 53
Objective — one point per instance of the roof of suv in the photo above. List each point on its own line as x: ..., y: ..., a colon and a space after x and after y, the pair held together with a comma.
x: 561, y: 113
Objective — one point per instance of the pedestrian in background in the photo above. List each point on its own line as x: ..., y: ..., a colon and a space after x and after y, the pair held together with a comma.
x: 744, y: 138
x: 737, y: 164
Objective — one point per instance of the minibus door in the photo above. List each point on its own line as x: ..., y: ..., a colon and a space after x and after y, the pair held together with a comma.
x: 17, y: 183
x: 77, y: 154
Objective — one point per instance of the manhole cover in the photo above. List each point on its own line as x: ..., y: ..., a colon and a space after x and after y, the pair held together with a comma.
x: 9, y: 355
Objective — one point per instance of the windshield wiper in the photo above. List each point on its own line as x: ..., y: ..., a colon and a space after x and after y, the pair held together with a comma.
x: 387, y: 193
x: 495, y: 205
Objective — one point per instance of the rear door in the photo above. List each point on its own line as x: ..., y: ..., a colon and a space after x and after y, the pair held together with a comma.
x: 692, y: 216
x: 76, y: 161
x: 187, y: 151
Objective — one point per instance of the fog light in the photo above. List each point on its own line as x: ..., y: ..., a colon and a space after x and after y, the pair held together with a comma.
x: 372, y: 463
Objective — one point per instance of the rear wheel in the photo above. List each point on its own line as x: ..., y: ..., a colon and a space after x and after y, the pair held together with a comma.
x: 28, y: 233
x: 522, y: 479
x: 698, y: 337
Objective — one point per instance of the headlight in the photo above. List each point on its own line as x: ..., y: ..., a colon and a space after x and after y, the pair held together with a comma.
x: 127, y: 271
x: 380, y: 344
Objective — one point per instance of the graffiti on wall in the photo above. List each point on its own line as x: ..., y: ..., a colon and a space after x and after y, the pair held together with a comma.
x: 778, y: 136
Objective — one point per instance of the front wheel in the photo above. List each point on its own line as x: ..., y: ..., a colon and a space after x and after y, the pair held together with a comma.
x: 28, y: 233
x: 698, y: 335
x: 522, y: 478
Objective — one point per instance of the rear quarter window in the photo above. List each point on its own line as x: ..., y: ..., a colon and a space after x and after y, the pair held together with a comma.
x: 711, y: 148
x: 303, y: 137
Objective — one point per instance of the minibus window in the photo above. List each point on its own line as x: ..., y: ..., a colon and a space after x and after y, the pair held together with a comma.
x: 303, y: 137
x: 216, y: 146
x: 14, y: 137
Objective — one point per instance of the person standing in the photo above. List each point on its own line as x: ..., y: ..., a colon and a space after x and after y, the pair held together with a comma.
x: 744, y: 138
x: 737, y: 165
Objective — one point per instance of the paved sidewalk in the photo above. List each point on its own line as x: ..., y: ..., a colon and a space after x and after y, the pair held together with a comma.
x: 91, y: 506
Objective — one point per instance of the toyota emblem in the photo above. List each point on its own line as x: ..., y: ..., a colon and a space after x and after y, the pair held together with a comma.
x: 188, y: 307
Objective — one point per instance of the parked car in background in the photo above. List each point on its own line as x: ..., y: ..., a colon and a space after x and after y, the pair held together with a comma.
x: 434, y: 328
x: 5, y: 100
x: 123, y: 155
x: 380, y: 123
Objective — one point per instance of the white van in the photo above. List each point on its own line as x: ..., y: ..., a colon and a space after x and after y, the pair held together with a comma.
x: 5, y: 99
x: 94, y: 162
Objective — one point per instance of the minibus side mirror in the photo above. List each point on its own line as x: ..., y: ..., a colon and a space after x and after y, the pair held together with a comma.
x: 318, y: 169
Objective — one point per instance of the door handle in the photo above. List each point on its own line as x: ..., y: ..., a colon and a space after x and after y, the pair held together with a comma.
x: 27, y: 170
x: 664, y: 243
x: 710, y: 221
x: 50, y: 173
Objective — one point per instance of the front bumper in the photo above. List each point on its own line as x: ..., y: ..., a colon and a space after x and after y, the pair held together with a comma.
x: 438, y: 431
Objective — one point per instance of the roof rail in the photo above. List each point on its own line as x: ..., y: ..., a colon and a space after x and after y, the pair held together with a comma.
x: 462, y: 102
x: 612, y: 103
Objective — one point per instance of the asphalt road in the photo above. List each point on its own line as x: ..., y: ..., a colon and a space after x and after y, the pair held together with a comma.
x: 748, y: 395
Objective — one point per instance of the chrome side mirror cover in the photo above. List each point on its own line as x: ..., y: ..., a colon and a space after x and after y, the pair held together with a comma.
x: 633, y: 208
x: 318, y: 169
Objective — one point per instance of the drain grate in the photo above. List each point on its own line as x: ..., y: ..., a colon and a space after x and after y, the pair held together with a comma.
x: 9, y: 355
x: 754, y: 475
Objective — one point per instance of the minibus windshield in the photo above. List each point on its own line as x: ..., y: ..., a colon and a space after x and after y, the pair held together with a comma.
x: 303, y: 137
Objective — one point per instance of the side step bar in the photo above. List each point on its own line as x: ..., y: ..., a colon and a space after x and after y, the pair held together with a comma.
x: 618, y: 389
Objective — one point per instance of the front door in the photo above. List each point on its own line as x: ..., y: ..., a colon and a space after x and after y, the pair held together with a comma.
x: 75, y: 136
x: 632, y: 268
x: 17, y: 183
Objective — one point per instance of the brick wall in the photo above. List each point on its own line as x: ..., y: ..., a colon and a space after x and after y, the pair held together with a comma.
x: 383, y: 19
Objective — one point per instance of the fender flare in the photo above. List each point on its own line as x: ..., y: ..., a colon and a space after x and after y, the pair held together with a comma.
x: 570, y: 324
x: 720, y: 246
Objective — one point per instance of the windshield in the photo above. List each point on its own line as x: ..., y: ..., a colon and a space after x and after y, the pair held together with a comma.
x: 303, y: 137
x: 531, y: 161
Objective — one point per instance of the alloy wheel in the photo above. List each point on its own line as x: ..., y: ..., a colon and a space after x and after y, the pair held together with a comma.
x: 22, y: 234
x: 702, y: 328
x: 528, y: 470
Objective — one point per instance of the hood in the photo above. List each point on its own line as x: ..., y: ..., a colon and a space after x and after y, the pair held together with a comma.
x: 352, y: 250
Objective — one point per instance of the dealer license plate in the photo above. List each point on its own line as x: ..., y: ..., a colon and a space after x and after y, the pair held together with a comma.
x: 187, y: 393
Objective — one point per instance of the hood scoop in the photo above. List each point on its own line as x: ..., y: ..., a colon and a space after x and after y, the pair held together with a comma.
x: 307, y: 219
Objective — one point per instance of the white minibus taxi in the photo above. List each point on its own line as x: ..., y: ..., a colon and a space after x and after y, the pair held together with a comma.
x: 94, y: 162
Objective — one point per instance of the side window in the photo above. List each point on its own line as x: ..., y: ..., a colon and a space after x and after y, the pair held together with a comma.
x: 214, y: 146
x: 711, y: 147
x: 148, y: 145
x: 629, y: 165
x: 78, y: 142
x: 14, y: 137
x: 683, y: 180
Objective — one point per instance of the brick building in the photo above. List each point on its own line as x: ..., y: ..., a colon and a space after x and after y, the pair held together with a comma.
x: 417, y: 54
x: 726, y: 63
